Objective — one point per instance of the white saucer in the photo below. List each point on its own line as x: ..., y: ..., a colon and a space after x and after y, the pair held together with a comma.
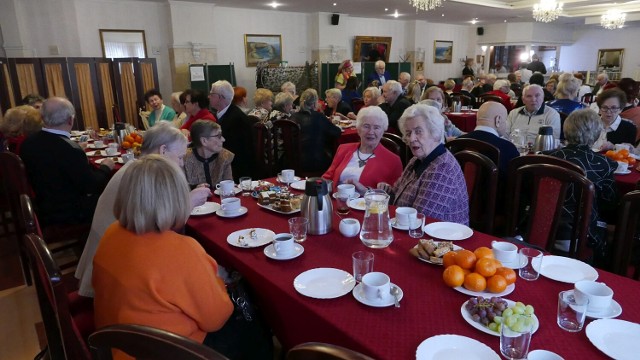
x: 270, y: 251
x: 243, y: 210
x: 613, y: 311
x: 236, y: 190
x: 543, y: 355
x: 208, y: 207
x: 520, y: 261
x: 398, y: 227
x: 93, y: 146
x: 295, y: 179
x: 120, y: 161
x: 103, y: 153
x: 624, y: 172
x: 358, y: 293
x: 354, y: 196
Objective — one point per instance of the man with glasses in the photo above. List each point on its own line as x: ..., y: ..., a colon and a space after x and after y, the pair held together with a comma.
x: 534, y: 114
x: 616, y: 129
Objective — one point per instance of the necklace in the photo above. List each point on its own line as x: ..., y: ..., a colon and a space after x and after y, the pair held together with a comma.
x: 363, y: 162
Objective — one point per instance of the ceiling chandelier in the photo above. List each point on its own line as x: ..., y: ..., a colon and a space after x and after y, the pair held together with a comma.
x: 425, y: 4
x: 547, y: 10
x: 612, y: 19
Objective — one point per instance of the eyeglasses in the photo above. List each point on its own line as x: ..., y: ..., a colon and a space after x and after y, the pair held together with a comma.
x: 609, y: 109
x: 221, y: 96
x: 219, y: 136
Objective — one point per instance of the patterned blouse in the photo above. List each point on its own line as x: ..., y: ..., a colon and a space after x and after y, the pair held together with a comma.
x: 261, y: 113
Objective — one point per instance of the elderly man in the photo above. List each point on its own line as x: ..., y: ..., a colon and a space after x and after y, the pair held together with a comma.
x: 536, y: 65
x: 67, y: 187
x: 380, y: 75
x: 423, y: 83
x: 467, y: 87
x: 394, y: 104
x: 601, y: 80
x: 534, y: 114
x: 501, y: 89
x: 404, y: 79
x: 236, y: 128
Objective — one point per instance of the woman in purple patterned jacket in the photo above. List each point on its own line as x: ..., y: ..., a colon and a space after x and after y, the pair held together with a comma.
x: 432, y: 182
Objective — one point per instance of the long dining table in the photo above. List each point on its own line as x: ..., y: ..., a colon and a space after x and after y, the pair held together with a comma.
x: 428, y: 307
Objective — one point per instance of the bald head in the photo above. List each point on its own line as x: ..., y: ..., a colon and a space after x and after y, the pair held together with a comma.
x: 493, y: 114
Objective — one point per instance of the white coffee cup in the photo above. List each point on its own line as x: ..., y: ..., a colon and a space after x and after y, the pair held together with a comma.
x: 111, y: 151
x: 113, y: 145
x: 599, y: 294
x: 283, y: 244
x: 618, y: 147
x: 98, y: 144
x: 503, y: 251
x: 347, y: 190
x: 404, y: 215
x: 230, y: 205
x: 622, y: 166
x: 287, y: 175
x: 349, y: 227
x: 376, y: 286
x: 225, y: 186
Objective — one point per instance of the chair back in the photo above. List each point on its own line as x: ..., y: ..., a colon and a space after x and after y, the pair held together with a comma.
x: 481, y: 177
x: 356, y: 105
x: 145, y: 342
x: 265, y: 161
x: 487, y: 97
x: 551, y: 185
x: 286, y: 137
x: 521, y: 161
x: 478, y: 146
x: 587, y: 98
x: 623, y: 262
x: 322, y: 351
x: 405, y: 153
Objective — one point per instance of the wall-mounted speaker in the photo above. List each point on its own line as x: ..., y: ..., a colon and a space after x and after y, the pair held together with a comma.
x: 480, y: 30
x: 335, y: 19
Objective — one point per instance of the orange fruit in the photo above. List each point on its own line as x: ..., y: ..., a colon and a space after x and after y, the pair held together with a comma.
x: 129, y: 138
x: 126, y: 144
x: 466, y: 272
x: 475, y: 282
x: 498, y: 263
x: 465, y: 259
x: 624, y: 152
x: 485, y: 267
x: 453, y: 276
x: 449, y: 259
x: 483, y: 251
x: 610, y: 153
x: 507, y: 273
x: 496, y: 284
x: 618, y: 157
x: 632, y: 161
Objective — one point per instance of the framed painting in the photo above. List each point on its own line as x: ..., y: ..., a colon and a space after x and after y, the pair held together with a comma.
x: 372, y: 48
x: 262, y: 48
x: 610, y: 59
x: 118, y: 43
x: 442, y: 51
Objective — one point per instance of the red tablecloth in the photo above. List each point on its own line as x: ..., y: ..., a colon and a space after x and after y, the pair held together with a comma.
x: 429, y: 307
x: 92, y: 159
x: 465, y: 121
x: 627, y: 183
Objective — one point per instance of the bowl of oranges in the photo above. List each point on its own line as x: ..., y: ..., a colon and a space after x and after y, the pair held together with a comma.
x: 132, y: 141
x: 477, y: 273
x: 621, y: 155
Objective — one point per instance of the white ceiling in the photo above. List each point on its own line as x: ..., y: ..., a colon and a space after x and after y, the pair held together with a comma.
x: 576, y: 12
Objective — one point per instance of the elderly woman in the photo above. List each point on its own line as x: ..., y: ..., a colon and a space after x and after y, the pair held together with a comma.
x: 551, y: 86
x: 282, y: 107
x: 432, y: 182
x: 371, y: 96
x: 449, y: 85
x: 162, y: 139
x: 335, y: 105
x: 208, y: 162
x: 177, y: 105
x: 616, y: 129
x: 566, y: 93
x: 263, y: 101
x: 196, y: 105
x: 318, y: 135
x: 18, y: 123
x: 435, y: 93
x: 163, y: 279
x: 344, y: 73
x: 581, y: 129
x: 366, y: 163
x: 290, y: 88
x: 158, y: 110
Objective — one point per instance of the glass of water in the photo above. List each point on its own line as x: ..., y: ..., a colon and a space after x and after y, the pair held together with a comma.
x: 515, y: 340
x: 416, y: 226
x: 245, y: 185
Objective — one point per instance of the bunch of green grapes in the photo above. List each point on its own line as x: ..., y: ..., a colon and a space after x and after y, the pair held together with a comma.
x: 516, y: 317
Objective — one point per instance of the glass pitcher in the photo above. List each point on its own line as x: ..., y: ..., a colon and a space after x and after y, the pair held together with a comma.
x: 376, y: 227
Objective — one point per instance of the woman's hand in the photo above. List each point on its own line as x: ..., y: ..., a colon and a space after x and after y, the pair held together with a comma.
x: 199, y: 195
x: 359, y: 187
x: 351, y: 116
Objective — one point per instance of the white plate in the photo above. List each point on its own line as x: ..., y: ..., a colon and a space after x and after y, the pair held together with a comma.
x: 455, y: 248
x: 624, y: 172
x: 324, y: 283
x: 103, y: 153
x: 358, y: 293
x: 236, y: 190
x: 543, y: 355
x: 268, y: 207
x: 454, y: 347
x: 265, y: 236
x: 270, y: 251
x: 354, y: 196
x: 613, y: 311
x: 206, y: 208
x: 398, y: 226
x: 120, y: 161
x: 299, y: 185
x: 243, y: 210
x: 467, y: 316
x: 448, y: 231
x: 617, y: 338
x: 94, y: 153
x: 295, y: 178
x: 93, y: 146
x: 567, y: 270
x: 520, y: 261
x: 77, y: 132
x: 466, y: 291
x: 357, y: 204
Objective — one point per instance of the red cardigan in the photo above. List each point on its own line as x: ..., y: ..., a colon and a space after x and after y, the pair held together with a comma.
x: 203, y: 114
x: 384, y: 167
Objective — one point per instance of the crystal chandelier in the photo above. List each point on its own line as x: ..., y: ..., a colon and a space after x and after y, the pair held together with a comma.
x: 547, y: 10
x: 425, y: 4
x: 612, y: 19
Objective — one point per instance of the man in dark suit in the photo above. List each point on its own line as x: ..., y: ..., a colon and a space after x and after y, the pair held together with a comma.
x: 536, y: 65
x: 237, y: 129
x: 379, y: 75
x: 67, y: 187
x: 394, y: 104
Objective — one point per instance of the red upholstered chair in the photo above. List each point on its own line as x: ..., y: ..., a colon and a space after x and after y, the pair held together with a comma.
x: 484, y: 148
x: 265, y: 160
x: 405, y: 152
x: 322, y: 351
x: 287, y: 136
x: 624, y: 239
x: 144, y: 342
x: 520, y: 161
x: 481, y: 177
x: 550, y: 186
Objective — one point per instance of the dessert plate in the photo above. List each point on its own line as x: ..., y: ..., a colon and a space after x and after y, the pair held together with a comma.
x: 448, y: 231
x: 270, y: 251
x: 567, y: 270
x: 324, y: 283
x: 357, y: 204
x: 243, y: 210
x: 269, y: 207
x: 206, y: 208
x: 618, y: 339
x: 455, y: 248
x: 358, y: 293
x: 454, y: 347
x: 242, y: 238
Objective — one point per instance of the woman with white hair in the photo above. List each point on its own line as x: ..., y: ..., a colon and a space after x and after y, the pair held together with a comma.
x: 282, y: 107
x: 436, y: 94
x: 365, y: 163
x: 263, y: 100
x: 335, y: 105
x: 432, y: 182
x: 566, y: 94
x: 371, y: 96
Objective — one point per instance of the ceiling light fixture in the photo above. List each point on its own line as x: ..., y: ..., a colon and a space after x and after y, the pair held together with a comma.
x: 274, y: 5
x: 547, y: 11
x: 613, y: 19
x: 474, y: 21
x: 395, y: 14
x: 425, y: 5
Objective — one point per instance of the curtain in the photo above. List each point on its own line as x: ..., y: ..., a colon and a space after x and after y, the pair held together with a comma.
x: 129, y: 94
x: 27, y: 80
x: 87, y: 100
x: 7, y: 80
x: 54, y: 78
x: 123, y: 49
x: 147, y: 79
x: 104, y: 72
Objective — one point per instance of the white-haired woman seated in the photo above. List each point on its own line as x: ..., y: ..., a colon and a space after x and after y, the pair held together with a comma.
x: 263, y: 100
x: 366, y: 163
x: 432, y: 182
x: 282, y: 107
x: 335, y: 105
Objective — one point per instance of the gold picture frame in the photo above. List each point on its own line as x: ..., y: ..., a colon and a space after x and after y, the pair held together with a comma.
x: 610, y: 59
x: 442, y: 51
x: 262, y: 48
x: 372, y: 48
x: 123, y: 43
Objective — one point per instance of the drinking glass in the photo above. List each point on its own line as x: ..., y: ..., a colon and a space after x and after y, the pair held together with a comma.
x: 362, y: 264
x: 245, y: 184
x: 416, y: 226
x: 571, y: 311
x: 342, y: 204
x: 514, y: 344
x: 298, y: 228
x: 531, y: 269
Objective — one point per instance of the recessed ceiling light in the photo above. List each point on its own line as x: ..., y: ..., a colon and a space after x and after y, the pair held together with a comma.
x: 386, y: 9
x: 505, y: 20
x: 442, y: 15
x: 274, y: 4
x: 335, y: 4
x: 474, y: 21
x: 395, y: 14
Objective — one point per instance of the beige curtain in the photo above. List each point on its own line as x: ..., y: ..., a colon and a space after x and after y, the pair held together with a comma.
x: 7, y: 80
x: 147, y: 79
x: 54, y: 79
x: 87, y: 99
x: 129, y: 94
x: 104, y: 72
x: 27, y: 80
